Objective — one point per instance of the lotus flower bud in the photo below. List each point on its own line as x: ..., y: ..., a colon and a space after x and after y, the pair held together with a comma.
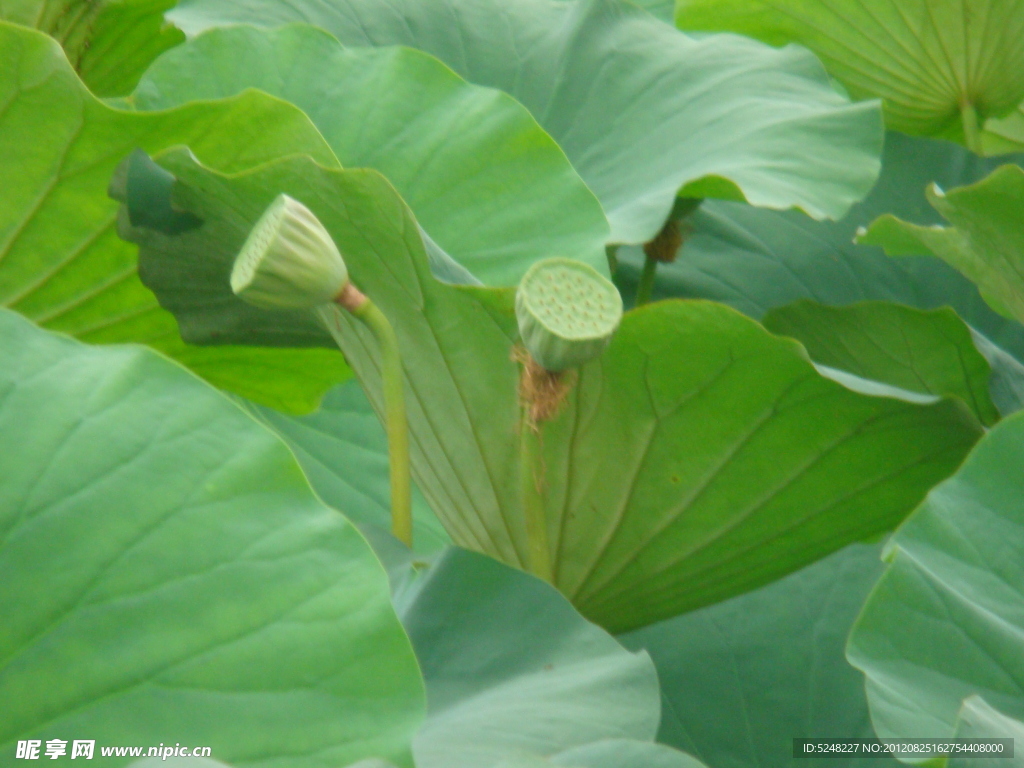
x: 289, y: 261
x: 567, y: 312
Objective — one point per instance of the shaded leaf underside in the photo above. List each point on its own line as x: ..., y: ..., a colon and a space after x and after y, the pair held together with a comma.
x: 109, y: 42
x: 984, y: 242
x: 697, y: 458
x: 61, y: 262
x: 929, y: 352
x: 927, y: 59
x: 488, y: 184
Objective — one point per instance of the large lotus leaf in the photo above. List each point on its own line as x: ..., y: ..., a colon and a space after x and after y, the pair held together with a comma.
x: 929, y: 352
x: 625, y: 753
x: 946, y: 620
x: 166, y: 574
x: 488, y: 184
x: 698, y: 458
x: 642, y: 110
x: 741, y: 678
x: 61, y: 263
x: 511, y: 668
x: 109, y: 42
x: 1005, y: 134
x: 343, y: 450
x: 931, y: 61
x: 985, y: 242
x: 205, y: 762
x: 757, y: 260
x: 661, y: 9
x: 977, y: 720
x: 610, y: 753
x: 1006, y: 386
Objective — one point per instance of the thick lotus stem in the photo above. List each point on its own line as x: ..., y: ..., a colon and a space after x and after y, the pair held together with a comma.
x: 531, y: 493
x: 397, y: 424
x: 289, y: 261
x: 567, y: 313
x: 541, y: 394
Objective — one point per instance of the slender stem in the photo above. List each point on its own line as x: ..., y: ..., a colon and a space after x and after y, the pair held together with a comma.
x: 646, y: 284
x: 972, y: 134
x: 612, y: 253
x: 396, y: 423
x: 530, y: 481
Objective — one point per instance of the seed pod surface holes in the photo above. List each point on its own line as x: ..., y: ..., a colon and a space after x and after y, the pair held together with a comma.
x: 567, y: 312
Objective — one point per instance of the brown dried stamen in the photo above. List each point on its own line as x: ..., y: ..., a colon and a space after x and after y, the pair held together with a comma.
x: 541, y: 391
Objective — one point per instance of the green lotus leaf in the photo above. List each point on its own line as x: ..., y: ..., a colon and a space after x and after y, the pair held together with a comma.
x: 1006, y: 385
x: 736, y: 675
x: 610, y: 753
x: 167, y: 575
x: 985, y: 242
x: 109, y: 42
x: 941, y: 67
x: 977, y: 720
x: 643, y: 112
x: 746, y: 463
x: 488, y: 184
x: 625, y: 753
x: 930, y: 352
x: 205, y: 762
x: 61, y: 263
x: 660, y: 9
x: 343, y: 451
x: 946, y: 620
x: 757, y: 260
x: 1006, y: 134
x: 533, y: 678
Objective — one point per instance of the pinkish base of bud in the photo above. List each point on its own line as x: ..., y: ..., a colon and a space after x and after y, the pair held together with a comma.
x: 351, y: 298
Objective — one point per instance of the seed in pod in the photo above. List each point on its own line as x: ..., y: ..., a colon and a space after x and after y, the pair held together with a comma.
x: 288, y: 261
x: 567, y: 312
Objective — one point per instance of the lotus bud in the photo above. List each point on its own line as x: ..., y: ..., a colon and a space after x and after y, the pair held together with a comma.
x: 289, y: 261
x: 567, y: 313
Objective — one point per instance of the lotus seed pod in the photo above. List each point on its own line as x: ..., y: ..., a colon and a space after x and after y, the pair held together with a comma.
x: 567, y: 312
x: 289, y: 261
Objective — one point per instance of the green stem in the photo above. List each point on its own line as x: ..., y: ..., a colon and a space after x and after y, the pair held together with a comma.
x: 972, y: 134
x: 530, y: 480
x: 646, y: 284
x: 396, y: 423
x: 612, y: 253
